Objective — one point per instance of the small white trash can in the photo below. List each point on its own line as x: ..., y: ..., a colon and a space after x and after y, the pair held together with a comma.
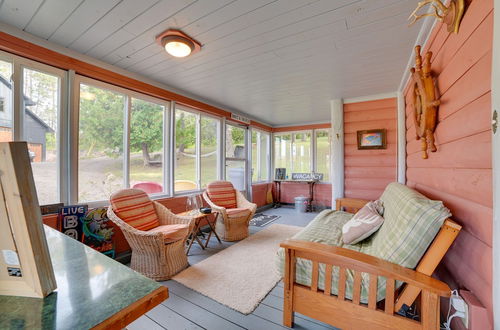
x: 301, y: 204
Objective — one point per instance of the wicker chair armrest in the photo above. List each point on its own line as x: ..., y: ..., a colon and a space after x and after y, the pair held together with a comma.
x: 220, y: 209
x: 242, y: 202
x: 167, y: 217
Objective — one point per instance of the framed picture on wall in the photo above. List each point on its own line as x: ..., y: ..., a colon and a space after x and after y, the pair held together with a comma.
x: 372, y: 139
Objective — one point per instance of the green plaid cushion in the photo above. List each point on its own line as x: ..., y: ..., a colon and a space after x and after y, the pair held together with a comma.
x: 411, y: 223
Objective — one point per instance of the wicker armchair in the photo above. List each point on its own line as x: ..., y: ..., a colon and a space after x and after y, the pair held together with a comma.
x: 153, y: 254
x: 235, y: 212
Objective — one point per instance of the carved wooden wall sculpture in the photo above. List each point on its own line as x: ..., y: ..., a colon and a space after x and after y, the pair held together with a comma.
x: 425, y: 101
x: 451, y: 15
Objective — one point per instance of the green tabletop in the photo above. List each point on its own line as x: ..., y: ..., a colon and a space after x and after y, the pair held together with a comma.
x: 91, y: 287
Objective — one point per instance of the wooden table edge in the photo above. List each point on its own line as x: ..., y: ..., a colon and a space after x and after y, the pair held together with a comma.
x: 135, y: 310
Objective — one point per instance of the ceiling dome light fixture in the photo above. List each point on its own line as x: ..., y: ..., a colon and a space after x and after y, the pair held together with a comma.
x: 177, y: 43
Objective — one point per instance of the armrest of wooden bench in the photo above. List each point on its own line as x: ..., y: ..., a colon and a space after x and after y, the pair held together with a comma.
x: 360, y: 262
x: 353, y: 204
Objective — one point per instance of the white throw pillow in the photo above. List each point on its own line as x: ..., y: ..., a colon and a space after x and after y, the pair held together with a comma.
x: 364, y: 223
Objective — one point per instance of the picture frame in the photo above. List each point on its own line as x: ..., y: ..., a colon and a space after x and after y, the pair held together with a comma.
x: 372, y: 139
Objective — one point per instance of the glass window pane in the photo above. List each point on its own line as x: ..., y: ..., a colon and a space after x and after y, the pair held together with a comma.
x: 209, y: 132
x: 282, y: 152
x: 41, y: 111
x: 301, y: 153
x: 264, y: 157
x: 260, y: 156
x: 100, y: 161
x: 323, y: 154
x: 6, y: 105
x: 235, y: 172
x: 235, y: 142
x: 255, y: 157
x: 146, y: 145
x: 185, y: 145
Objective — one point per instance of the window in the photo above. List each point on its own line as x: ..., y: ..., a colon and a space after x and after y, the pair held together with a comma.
x: 185, y: 151
x: 323, y: 152
x: 260, y: 156
x: 301, y: 152
x: 2, y: 104
x: 197, y: 150
x: 236, y: 156
x: 41, y: 104
x: 100, y: 143
x: 295, y: 152
x: 146, y: 145
x: 209, y: 150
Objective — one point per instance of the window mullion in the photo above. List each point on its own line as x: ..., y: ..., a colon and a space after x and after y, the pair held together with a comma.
x: 313, y: 164
x: 62, y: 136
x: 173, y: 159
x: 18, y: 113
x: 166, y: 149
x: 259, y: 157
x: 126, y: 141
x: 198, y: 151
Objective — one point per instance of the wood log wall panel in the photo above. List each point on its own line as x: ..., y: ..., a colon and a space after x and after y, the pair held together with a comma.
x: 259, y: 193
x: 322, y: 192
x: 459, y: 182
x: 474, y: 217
x: 367, y: 172
x: 373, y: 172
x: 369, y: 115
x: 369, y: 105
x: 351, y: 138
x: 459, y: 173
x: 470, y: 152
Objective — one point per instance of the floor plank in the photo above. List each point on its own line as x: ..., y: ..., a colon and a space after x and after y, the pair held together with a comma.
x: 246, y: 321
x: 276, y: 316
x: 188, y: 309
x: 208, y: 319
x: 144, y: 323
x: 169, y: 319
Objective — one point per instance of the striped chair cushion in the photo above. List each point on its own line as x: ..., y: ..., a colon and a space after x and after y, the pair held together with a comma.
x: 238, y: 213
x: 222, y: 193
x: 172, y: 233
x: 135, y: 208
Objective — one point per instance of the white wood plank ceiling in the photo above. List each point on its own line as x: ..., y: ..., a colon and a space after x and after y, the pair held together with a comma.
x: 280, y: 61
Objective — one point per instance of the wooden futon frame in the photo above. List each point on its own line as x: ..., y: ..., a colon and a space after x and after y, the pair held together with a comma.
x: 351, y: 314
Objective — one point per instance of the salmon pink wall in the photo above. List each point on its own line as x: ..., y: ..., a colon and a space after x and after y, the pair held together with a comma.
x: 460, y: 173
x: 259, y: 193
x: 367, y: 172
x: 322, y: 193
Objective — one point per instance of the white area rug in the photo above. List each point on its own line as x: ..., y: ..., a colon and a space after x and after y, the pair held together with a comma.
x: 243, y: 274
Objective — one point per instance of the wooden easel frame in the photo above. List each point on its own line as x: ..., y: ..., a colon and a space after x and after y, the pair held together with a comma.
x: 21, y: 227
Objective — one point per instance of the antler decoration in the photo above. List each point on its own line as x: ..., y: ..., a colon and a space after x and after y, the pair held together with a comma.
x: 451, y: 14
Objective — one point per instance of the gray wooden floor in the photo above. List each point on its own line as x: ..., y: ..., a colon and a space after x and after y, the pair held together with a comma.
x: 187, y: 309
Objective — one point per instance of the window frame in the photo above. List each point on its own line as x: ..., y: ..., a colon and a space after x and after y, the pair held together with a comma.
x: 268, y: 156
x: 18, y: 65
x: 127, y: 112
x: 313, y: 146
x: 199, y: 115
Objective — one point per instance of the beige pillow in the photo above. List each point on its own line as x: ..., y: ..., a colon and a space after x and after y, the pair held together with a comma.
x: 364, y: 223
